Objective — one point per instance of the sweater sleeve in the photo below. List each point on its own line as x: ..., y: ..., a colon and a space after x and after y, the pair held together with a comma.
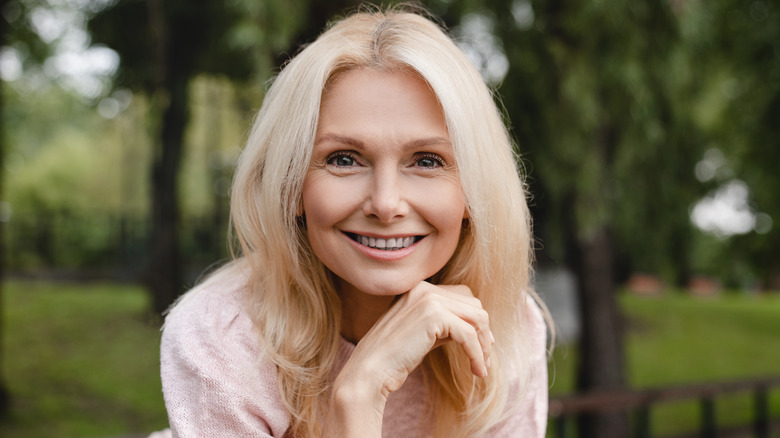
x: 529, y: 416
x: 215, y: 380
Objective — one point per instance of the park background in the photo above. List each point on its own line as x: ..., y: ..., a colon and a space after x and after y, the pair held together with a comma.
x: 648, y: 131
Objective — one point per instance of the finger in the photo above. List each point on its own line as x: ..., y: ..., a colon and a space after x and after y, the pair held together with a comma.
x: 457, y: 293
x: 480, y: 321
x: 464, y: 334
x: 478, y: 318
x: 458, y: 300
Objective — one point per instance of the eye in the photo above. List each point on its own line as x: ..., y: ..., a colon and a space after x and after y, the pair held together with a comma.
x: 341, y: 159
x: 429, y: 161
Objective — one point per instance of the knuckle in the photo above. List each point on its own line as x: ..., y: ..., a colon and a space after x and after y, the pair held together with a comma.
x: 432, y: 307
x: 427, y: 299
x: 463, y: 290
x: 482, y: 317
x: 474, y: 301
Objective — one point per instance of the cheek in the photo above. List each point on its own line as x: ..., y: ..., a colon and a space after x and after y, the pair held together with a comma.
x: 445, y: 208
x: 454, y: 219
x: 325, y: 202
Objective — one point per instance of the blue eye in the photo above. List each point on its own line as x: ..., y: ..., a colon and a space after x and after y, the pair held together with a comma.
x: 341, y: 159
x: 430, y: 161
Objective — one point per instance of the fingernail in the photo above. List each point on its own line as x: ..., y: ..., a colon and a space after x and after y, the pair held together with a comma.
x: 487, y: 363
x: 484, y: 372
x: 492, y: 338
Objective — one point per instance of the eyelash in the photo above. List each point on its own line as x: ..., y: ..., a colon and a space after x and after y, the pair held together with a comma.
x: 340, y: 154
x: 429, y: 156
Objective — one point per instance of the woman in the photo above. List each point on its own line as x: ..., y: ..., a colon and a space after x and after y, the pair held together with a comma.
x: 383, y: 284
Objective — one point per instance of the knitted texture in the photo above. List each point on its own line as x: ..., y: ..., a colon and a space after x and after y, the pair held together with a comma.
x: 217, y: 382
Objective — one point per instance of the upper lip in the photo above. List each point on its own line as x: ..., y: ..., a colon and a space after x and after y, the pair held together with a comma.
x: 384, y: 236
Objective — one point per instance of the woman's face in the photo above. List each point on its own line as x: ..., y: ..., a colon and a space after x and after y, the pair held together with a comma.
x: 382, y: 199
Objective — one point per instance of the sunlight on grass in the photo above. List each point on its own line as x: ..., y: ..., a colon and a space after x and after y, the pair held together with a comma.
x: 678, y: 339
x: 80, y: 361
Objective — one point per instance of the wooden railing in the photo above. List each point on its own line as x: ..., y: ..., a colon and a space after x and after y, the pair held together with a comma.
x: 641, y: 403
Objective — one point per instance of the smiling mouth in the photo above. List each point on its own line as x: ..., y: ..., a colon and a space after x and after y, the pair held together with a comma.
x: 392, y: 244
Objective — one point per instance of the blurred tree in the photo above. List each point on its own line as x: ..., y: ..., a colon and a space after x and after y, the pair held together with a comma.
x: 737, y: 52
x: 17, y: 35
x: 163, y: 46
x: 588, y: 94
x: 4, y: 396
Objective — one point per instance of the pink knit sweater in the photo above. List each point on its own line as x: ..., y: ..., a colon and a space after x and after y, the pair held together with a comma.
x: 217, y: 383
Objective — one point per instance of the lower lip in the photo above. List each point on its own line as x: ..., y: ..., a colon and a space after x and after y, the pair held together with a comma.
x: 381, y: 254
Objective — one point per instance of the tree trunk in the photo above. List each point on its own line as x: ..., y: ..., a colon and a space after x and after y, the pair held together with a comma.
x: 164, y: 271
x: 4, y: 395
x: 601, y: 358
x: 601, y: 363
x: 773, y: 277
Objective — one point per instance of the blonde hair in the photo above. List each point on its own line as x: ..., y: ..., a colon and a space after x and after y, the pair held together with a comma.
x: 292, y: 298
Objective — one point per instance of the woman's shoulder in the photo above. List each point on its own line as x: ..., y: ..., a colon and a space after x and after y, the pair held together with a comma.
x: 213, y: 369
x: 215, y: 306
x: 213, y: 313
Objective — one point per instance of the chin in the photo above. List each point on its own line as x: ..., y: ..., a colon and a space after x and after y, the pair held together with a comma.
x: 381, y: 288
x: 387, y: 290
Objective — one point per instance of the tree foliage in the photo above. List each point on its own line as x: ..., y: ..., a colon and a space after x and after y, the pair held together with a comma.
x: 738, y: 48
x: 163, y: 47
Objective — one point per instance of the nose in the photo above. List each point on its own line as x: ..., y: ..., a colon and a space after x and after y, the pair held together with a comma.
x: 386, y: 200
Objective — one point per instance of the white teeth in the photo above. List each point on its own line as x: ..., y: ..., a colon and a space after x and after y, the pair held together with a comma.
x: 393, y: 243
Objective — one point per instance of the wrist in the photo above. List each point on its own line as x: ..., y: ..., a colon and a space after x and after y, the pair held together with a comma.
x: 358, y: 393
x: 355, y: 410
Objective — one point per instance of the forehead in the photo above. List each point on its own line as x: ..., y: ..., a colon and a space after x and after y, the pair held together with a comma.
x: 368, y: 82
x: 380, y: 103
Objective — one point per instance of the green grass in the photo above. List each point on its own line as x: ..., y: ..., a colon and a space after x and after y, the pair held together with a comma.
x: 80, y: 361
x: 677, y: 339
x: 83, y: 360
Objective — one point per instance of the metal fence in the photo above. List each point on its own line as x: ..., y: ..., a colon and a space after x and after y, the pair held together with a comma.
x: 640, y: 404
x: 101, y: 245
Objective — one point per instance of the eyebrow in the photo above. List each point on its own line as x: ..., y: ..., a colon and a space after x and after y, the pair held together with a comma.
x: 357, y: 144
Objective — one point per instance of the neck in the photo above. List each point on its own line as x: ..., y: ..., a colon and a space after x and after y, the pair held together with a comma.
x: 360, y: 311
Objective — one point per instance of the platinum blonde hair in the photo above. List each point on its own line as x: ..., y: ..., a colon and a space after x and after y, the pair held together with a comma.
x: 292, y: 299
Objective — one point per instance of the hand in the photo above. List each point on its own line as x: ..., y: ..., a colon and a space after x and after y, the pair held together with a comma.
x: 421, y: 320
